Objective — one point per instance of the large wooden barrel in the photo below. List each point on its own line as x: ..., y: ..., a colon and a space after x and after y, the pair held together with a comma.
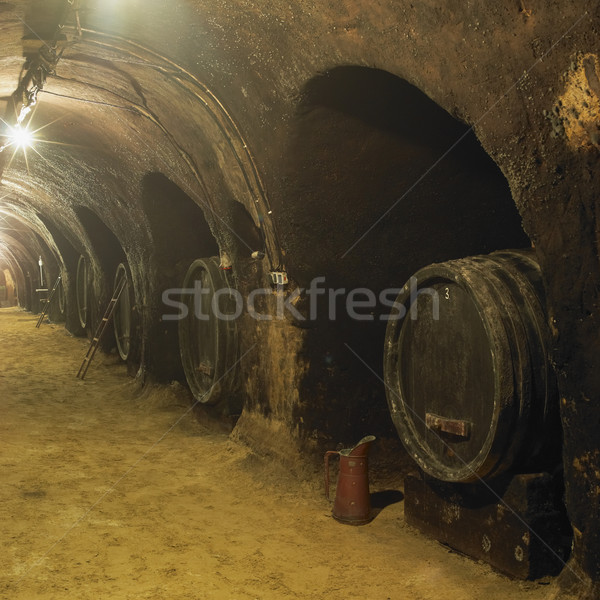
x: 208, y: 339
x: 469, y: 385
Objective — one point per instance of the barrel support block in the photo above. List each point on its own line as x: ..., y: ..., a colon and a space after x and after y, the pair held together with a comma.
x: 520, y: 528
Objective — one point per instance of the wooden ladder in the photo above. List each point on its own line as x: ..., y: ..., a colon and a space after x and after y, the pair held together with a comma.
x: 110, y: 309
x: 48, y: 301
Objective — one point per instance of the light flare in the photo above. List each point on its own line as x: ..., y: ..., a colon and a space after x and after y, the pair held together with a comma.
x: 20, y: 137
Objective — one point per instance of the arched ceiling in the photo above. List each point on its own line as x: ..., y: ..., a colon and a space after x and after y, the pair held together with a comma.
x: 134, y: 93
x: 111, y: 112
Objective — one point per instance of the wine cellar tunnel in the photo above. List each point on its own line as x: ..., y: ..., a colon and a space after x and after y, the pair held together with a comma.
x: 320, y: 225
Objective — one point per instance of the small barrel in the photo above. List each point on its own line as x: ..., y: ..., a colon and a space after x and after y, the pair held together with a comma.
x: 122, y: 315
x: 469, y: 384
x: 61, y: 301
x: 82, y: 289
x: 208, y: 339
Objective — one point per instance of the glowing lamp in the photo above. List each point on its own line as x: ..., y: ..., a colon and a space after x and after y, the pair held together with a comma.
x: 20, y: 137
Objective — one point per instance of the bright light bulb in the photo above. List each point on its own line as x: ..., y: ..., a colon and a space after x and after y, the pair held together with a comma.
x: 20, y: 137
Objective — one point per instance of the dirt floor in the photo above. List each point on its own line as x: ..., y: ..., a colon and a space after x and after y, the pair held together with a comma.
x: 112, y: 491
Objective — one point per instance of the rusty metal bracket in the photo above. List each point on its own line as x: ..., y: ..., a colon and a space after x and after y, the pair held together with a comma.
x: 457, y: 427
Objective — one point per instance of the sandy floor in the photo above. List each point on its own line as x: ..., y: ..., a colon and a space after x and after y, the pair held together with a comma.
x: 108, y: 491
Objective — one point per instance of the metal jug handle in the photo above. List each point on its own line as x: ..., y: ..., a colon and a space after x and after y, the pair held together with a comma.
x: 327, y: 455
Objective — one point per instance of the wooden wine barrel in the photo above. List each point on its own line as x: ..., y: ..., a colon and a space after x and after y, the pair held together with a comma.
x: 208, y: 338
x: 469, y: 385
x: 82, y: 289
x: 122, y: 315
x: 61, y: 301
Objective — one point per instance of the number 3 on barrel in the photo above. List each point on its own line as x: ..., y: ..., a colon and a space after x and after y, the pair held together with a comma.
x: 447, y: 294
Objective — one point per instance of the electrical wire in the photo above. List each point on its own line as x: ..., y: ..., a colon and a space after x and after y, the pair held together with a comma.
x: 88, y: 101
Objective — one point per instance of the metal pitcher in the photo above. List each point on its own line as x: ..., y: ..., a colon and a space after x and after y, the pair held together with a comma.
x: 352, y: 503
